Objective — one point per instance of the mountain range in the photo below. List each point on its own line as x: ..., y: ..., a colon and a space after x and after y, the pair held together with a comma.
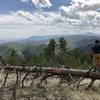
x: 35, y: 44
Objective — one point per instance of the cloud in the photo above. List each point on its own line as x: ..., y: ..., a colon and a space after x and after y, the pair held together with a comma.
x: 40, y: 18
x: 79, y: 17
x: 25, y: 1
x: 26, y: 15
x: 17, y: 24
x: 40, y: 3
x: 81, y: 13
x: 84, y: 12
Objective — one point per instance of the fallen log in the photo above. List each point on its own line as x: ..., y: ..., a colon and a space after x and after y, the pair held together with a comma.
x: 45, y: 73
x: 57, y: 71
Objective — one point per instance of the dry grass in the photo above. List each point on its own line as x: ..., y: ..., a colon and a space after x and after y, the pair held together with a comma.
x: 51, y: 91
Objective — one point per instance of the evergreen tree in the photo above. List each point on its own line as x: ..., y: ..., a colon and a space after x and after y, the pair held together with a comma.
x: 62, y: 45
x: 50, y: 50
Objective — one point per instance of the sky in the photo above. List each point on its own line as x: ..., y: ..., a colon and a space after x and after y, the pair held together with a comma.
x: 25, y: 18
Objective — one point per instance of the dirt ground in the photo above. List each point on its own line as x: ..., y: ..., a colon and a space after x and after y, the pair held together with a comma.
x: 51, y: 91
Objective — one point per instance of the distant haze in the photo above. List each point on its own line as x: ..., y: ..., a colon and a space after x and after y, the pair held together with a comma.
x: 31, y: 37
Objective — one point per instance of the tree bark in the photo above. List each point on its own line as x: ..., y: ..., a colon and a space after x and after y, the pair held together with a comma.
x: 58, y: 71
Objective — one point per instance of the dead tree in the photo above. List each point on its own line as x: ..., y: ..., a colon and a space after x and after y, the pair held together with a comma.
x: 3, y: 85
x: 24, y: 79
x: 48, y: 72
x: 17, y: 78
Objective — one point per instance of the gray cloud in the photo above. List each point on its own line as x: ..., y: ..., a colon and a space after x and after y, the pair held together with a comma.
x: 82, y: 13
x: 81, y: 16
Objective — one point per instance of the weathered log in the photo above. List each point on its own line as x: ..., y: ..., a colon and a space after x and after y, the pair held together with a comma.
x: 58, y: 71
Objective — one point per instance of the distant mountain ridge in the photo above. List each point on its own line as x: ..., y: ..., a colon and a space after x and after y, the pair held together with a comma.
x: 41, y: 38
x: 46, y: 37
x: 35, y: 44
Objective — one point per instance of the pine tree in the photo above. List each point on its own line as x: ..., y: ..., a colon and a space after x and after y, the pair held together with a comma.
x: 62, y: 45
x: 50, y: 50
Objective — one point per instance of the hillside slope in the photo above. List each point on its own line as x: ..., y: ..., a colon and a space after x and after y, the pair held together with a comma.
x: 21, y: 49
x: 35, y: 45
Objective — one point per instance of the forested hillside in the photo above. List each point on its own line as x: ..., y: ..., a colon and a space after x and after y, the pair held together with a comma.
x: 50, y: 53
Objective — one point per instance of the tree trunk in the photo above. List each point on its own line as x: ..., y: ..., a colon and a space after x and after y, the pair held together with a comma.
x: 58, y: 71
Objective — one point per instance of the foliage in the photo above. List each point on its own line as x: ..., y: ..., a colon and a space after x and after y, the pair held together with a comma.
x: 62, y: 45
x: 54, y: 54
x: 50, y: 50
x: 15, y: 59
